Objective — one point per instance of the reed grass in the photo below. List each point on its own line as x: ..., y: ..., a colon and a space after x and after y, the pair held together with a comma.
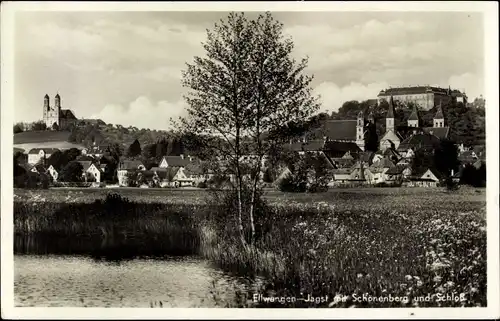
x: 399, y: 246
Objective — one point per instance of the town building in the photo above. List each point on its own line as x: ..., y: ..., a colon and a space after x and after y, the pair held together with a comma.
x: 174, y: 161
x: 54, y: 116
x: 424, y: 178
x: 36, y: 155
x: 426, y: 97
x: 90, y: 171
x: 391, y: 138
x: 348, y: 131
x: 124, y: 167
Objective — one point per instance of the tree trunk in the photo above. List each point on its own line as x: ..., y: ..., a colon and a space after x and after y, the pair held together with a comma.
x: 252, y: 203
x: 240, y: 208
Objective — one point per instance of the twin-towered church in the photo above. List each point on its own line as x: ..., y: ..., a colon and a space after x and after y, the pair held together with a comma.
x: 55, y: 117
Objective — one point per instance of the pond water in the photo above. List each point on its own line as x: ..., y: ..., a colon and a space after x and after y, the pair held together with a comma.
x: 48, y: 279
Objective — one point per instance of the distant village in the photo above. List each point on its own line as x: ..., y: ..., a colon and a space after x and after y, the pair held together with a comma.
x: 343, y: 145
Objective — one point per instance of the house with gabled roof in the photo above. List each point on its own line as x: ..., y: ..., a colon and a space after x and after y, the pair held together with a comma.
x: 90, y: 170
x: 341, y: 176
x: 358, y: 172
x: 126, y: 166
x: 396, y: 173
x: 418, y: 141
x: 53, y: 173
x: 174, y: 161
x: 427, y: 177
x: 36, y: 168
x: 171, y: 177
x: 376, y: 173
x: 36, y: 155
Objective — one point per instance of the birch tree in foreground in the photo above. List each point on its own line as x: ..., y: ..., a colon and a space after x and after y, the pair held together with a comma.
x: 242, y: 96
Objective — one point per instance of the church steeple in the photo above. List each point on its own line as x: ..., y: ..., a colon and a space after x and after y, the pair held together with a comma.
x: 360, y: 130
x: 389, y: 117
x: 413, y: 119
x: 57, y: 101
x: 46, y: 102
x: 439, y: 117
x: 371, y: 118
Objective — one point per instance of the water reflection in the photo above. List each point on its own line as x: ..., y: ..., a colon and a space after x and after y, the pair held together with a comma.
x: 84, y: 273
x: 110, y: 249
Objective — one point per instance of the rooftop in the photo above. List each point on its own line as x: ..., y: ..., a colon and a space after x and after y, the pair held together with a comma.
x: 439, y: 132
x: 340, y: 129
x: 419, y: 141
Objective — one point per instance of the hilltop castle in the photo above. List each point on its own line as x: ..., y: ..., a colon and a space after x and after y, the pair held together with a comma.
x: 426, y: 97
x: 55, y: 117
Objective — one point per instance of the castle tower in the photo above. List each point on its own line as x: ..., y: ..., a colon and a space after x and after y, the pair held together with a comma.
x: 389, y: 117
x: 360, y: 131
x: 413, y: 119
x: 439, y: 117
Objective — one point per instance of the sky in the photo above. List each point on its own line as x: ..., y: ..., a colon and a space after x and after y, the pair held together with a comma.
x: 125, y: 67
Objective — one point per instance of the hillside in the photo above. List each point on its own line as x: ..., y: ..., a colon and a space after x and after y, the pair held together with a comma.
x: 114, y: 134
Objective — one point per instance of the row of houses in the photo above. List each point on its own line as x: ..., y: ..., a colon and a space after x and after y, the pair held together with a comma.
x: 348, y: 163
x: 172, y: 171
x: 91, y: 171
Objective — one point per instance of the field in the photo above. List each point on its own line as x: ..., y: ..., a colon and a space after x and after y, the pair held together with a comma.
x: 46, y: 136
x: 198, y: 196
x: 381, y: 243
x: 43, y: 139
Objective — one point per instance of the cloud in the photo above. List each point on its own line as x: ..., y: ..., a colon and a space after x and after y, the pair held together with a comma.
x: 332, y: 96
x: 93, y: 58
x: 143, y: 113
x: 471, y: 83
x: 50, y: 39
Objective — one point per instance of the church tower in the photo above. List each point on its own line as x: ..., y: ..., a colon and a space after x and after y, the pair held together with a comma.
x: 389, y: 117
x: 57, y: 102
x: 439, y: 117
x: 360, y: 131
x: 371, y: 118
x: 46, y: 107
x: 413, y: 119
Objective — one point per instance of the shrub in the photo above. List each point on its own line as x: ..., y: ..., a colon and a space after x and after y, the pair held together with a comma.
x: 267, y: 176
x: 202, y: 184
x: 218, y: 181
x: 292, y: 183
x: 317, y: 187
x: 223, y: 217
x: 18, y: 128
x: 32, y: 180
x: 450, y: 184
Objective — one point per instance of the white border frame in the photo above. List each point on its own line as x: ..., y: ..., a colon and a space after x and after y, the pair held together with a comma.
x: 490, y: 12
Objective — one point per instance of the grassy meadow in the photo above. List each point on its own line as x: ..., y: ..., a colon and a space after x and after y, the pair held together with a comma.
x: 194, y: 196
x: 344, y: 243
